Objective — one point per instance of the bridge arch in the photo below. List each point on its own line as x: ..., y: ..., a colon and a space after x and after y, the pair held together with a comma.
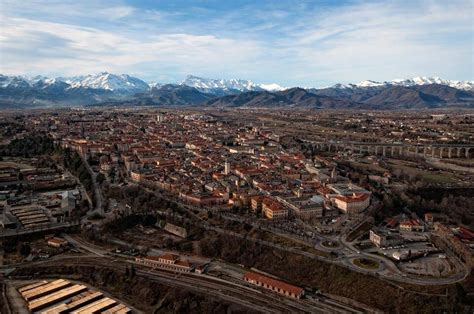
x: 469, y: 152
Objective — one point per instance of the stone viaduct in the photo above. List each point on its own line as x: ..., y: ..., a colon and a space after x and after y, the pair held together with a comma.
x: 399, y: 149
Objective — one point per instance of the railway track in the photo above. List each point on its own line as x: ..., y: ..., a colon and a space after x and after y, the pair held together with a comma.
x: 249, y: 297
x: 204, y: 286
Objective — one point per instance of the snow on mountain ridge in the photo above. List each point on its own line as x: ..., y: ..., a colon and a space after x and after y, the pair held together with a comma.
x: 125, y: 83
x: 419, y: 80
x: 208, y: 85
x: 108, y: 81
x: 104, y: 80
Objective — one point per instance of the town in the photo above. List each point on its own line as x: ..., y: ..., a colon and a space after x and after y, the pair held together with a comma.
x: 217, y: 194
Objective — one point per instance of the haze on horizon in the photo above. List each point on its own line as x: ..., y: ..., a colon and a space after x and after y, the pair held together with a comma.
x: 292, y: 43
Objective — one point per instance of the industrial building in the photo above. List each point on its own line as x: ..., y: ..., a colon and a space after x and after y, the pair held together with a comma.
x: 166, y: 261
x: 63, y: 296
x: 30, y: 216
x: 275, y: 285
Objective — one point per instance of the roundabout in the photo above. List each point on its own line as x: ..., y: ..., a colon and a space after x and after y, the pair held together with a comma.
x: 330, y: 244
x: 366, y: 263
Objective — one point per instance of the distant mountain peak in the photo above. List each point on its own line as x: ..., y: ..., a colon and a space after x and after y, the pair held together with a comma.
x: 415, y: 81
x: 108, y: 81
x: 226, y: 86
x: 416, y: 92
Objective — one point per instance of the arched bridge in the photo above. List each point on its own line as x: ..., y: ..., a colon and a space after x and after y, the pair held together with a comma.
x: 398, y: 149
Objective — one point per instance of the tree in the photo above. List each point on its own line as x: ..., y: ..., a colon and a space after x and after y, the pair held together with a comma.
x: 25, y: 249
x: 100, y: 178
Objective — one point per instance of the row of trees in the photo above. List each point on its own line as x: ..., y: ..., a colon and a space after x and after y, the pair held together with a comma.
x: 74, y: 163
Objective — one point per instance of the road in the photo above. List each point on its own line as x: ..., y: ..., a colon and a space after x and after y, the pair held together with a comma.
x: 102, y: 252
x: 98, y: 194
x: 387, y: 270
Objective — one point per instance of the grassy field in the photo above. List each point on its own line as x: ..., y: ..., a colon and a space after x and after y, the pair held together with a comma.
x: 368, y: 167
x: 425, y: 175
x: 287, y: 242
x: 366, y: 263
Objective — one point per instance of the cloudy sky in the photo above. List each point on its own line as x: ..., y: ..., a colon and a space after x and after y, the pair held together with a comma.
x: 293, y: 43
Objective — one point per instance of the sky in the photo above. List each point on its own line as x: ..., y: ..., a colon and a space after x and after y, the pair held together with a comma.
x: 292, y: 43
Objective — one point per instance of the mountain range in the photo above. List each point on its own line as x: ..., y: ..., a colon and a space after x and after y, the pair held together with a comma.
x: 124, y: 90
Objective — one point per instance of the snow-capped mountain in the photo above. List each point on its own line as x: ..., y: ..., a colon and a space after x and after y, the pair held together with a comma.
x: 423, y: 80
x: 419, y: 92
x: 416, y: 81
x: 102, y: 81
x: 155, y: 85
x: 108, y: 81
x: 18, y: 81
x: 223, y: 86
x: 13, y: 81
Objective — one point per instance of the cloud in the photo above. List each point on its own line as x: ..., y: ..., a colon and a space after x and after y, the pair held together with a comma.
x: 80, y: 50
x: 305, y: 44
x: 117, y: 12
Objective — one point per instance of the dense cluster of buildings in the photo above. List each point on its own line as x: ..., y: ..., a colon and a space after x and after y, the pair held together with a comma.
x: 33, y: 196
x: 408, y: 235
x: 21, y: 210
x: 457, y: 239
x: 212, y: 163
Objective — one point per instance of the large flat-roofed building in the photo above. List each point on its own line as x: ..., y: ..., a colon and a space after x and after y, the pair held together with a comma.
x: 62, y: 296
x: 55, y: 297
x: 32, y: 286
x: 347, y: 189
x: 349, y: 198
x: 383, y: 238
x: 275, y: 285
x: 77, y: 302
x: 45, y: 289
x: 305, y: 208
x: 353, y: 204
x: 97, y: 306
x: 118, y: 309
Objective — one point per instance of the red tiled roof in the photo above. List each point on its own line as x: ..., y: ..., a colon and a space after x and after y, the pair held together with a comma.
x: 392, y: 222
x: 324, y: 190
x: 152, y: 258
x: 57, y: 241
x: 410, y: 222
x: 465, y: 234
x: 273, y: 282
x: 183, y: 263
x: 353, y: 198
